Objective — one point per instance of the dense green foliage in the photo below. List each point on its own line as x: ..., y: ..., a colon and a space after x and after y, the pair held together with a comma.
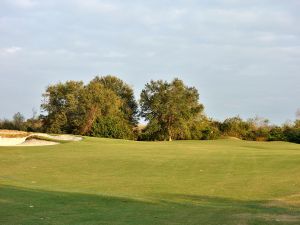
x: 125, y: 92
x: 258, y: 129
x: 106, y: 107
x: 111, y: 127
x: 205, y: 129
x: 62, y: 102
x: 73, y: 107
x: 292, y: 134
x: 117, y: 182
x: 19, y: 123
x: 170, y: 109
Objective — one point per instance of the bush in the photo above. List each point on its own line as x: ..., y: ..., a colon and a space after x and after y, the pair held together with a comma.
x: 111, y: 127
x: 292, y: 134
x: 276, y: 134
x: 34, y: 125
x: 7, y: 125
x: 18, y: 123
x: 205, y: 130
x: 152, y: 132
x: 236, y: 127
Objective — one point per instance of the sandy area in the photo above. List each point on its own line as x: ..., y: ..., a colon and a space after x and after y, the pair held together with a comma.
x: 18, y: 138
x: 11, y: 141
x: 63, y: 137
x: 35, y: 142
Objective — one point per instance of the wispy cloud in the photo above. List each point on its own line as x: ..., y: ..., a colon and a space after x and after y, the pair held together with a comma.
x: 115, y: 54
x: 268, y: 37
x: 10, y: 50
x: 23, y: 3
x: 96, y: 6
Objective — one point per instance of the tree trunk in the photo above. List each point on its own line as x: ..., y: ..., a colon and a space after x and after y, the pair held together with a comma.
x: 170, y: 134
x: 169, y: 129
x: 91, y: 117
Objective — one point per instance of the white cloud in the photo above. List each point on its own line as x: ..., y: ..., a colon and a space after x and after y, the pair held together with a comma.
x: 225, y: 15
x: 258, y: 17
x: 81, y: 44
x: 23, y: 3
x: 96, y: 6
x: 10, y: 50
x: 115, y: 54
x: 272, y: 37
x: 150, y: 54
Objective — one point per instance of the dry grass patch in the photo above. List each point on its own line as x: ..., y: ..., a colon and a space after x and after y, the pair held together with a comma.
x: 13, y: 134
x: 290, y: 200
x: 270, y: 217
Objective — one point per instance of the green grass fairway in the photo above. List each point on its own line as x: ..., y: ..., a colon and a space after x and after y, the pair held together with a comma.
x: 103, y: 181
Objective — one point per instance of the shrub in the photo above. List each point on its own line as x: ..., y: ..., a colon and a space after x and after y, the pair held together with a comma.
x: 292, y: 134
x: 236, y: 127
x: 205, y: 130
x: 111, y: 127
x: 276, y: 134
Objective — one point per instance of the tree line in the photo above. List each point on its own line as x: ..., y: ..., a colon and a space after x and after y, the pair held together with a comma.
x: 106, y: 107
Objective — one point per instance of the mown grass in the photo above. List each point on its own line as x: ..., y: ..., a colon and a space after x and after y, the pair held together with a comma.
x: 103, y: 181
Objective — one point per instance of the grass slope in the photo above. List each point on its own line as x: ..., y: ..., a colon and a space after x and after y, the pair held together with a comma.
x: 102, y: 181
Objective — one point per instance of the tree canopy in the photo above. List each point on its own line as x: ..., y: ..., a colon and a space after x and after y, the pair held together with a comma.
x: 106, y: 107
x: 169, y: 108
x: 125, y: 92
x: 73, y: 107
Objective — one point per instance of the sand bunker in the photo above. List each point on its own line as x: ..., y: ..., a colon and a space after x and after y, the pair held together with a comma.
x: 36, y: 142
x: 63, y: 137
x: 11, y: 141
x: 17, y: 138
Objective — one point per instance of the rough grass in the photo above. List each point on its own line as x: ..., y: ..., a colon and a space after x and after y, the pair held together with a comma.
x: 103, y: 181
x: 13, y: 134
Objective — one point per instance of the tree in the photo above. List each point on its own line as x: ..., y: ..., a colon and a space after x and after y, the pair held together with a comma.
x: 18, y: 121
x: 61, y: 103
x: 34, y: 124
x: 169, y: 108
x: 297, y: 123
x: 204, y: 129
x: 125, y: 92
x: 292, y: 134
x: 98, y: 101
x: 73, y: 107
x: 236, y: 127
x: 7, y: 124
x: 111, y: 127
x: 258, y: 129
x: 276, y: 134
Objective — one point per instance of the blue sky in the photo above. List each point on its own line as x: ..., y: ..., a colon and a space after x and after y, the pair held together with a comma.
x: 243, y: 56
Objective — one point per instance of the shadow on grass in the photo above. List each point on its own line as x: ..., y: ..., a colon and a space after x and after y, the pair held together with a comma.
x: 20, y: 206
